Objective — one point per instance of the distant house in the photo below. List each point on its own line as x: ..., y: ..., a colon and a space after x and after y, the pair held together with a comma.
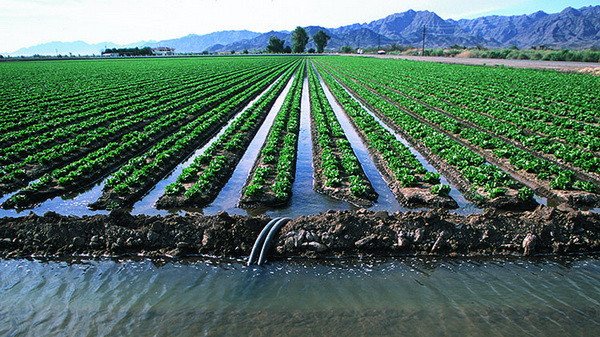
x: 163, y: 51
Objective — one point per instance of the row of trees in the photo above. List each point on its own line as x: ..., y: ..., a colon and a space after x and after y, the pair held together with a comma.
x: 299, y: 41
x: 129, y: 51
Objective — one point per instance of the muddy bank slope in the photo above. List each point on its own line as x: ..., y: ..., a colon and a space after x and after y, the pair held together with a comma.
x: 333, y: 234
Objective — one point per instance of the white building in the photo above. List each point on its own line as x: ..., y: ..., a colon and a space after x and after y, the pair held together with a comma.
x: 163, y: 51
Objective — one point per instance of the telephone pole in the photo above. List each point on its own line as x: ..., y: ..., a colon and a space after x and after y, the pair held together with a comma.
x: 423, y: 49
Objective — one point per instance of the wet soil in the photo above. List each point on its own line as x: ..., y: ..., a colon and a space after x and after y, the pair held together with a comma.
x: 542, y: 231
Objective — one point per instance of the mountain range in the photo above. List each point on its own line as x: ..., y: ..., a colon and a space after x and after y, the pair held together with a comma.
x: 571, y: 28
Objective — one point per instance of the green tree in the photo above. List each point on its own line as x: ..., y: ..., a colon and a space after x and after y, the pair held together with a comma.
x: 347, y: 50
x: 321, y: 39
x: 275, y: 45
x: 299, y: 40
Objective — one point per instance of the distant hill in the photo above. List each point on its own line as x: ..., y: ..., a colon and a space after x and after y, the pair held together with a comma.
x: 198, y: 43
x: 186, y: 44
x: 64, y: 48
x: 571, y: 28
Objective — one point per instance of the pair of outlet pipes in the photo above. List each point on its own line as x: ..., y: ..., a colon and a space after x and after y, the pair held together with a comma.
x: 263, y: 241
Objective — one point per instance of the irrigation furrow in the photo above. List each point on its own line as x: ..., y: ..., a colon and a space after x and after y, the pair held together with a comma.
x: 86, y: 144
x: 141, y: 173
x: 338, y: 171
x: 411, y: 182
x: 465, y: 206
x: 526, y: 179
x: 305, y: 200
x: 231, y: 193
x: 386, y: 198
x: 434, y: 142
x: 100, y: 163
x: 201, y: 182
x: 271, y: 178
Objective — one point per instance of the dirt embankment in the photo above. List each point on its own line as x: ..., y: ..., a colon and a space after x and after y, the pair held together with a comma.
x: 568, y: 66
x: 333, y: 234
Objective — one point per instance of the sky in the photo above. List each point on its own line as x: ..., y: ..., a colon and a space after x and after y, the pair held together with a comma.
x: 25, y: 23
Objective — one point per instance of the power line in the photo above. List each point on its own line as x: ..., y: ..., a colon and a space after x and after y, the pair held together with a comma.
x: 423, y: 50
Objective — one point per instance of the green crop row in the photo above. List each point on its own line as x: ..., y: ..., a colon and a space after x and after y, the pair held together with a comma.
x: 84, y: 144
x: 140, y: 173
x: 271, y: 180
x: 339, y: 166
x: 98, y: 163
x: 101, y: 109
x: 487, y: 181
x: 200, y: 182
x: 521, y: 159
x: 406, y: 169
x: 98, y: 117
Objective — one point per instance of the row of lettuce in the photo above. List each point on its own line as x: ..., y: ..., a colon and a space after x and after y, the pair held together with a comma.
x: 83, y: 160
x: 556, y: 158
x: 473, y: 133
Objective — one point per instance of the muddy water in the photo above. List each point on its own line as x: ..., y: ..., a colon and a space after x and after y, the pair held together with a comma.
x: 386, y: 200
x: 362, y: 298
x: 73, y: 204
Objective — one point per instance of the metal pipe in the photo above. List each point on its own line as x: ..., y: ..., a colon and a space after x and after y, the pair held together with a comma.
x: 260, y: 239
x: 267, y: 244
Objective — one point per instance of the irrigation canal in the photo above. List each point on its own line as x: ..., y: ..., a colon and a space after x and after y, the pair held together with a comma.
x: 413, y: 297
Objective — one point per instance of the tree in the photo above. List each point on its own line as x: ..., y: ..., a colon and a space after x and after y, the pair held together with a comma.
x: 347, y: 50
x: 321, y: 39
x: 275, y: 45
x: 245, y: 51
x: 299, y: 40
x: 311, y: 50
x: 287, y: 50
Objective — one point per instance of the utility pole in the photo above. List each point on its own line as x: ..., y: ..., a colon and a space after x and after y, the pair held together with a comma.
x: 423, y: 49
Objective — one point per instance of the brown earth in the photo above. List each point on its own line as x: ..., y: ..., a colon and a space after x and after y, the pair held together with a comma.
x: 584, y: 67
x: 333, y: 234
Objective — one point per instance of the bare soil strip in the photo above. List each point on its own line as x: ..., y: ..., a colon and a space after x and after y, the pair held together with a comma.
x: 586, y: 67
x: 333, y: 234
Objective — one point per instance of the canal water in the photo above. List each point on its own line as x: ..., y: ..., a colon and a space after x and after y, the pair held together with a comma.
x: 412, y: 297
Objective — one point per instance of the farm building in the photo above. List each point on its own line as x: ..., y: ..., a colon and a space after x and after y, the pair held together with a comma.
x: 163, y: 51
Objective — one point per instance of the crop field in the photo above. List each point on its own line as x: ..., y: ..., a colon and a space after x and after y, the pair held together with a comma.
x: 185, y: 133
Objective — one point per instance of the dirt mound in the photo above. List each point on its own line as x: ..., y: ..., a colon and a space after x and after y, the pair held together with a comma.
x: 464, y: 54
x: 590, y: 70
x: 332, y: 234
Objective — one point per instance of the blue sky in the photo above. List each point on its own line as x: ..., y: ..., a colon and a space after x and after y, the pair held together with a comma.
x: 29, y: 22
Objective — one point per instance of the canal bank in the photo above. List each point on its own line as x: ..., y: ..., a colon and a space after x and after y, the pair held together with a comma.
x: 333, y: 234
